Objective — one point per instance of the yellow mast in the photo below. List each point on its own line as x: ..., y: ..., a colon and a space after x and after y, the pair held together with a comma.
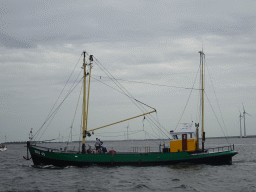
x: 86, y: 102
x: 202, y: 92
x: 84, y: 107
x: 90, y: 66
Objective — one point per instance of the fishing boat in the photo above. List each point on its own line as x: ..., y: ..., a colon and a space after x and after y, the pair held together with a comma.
x: 183, y: 144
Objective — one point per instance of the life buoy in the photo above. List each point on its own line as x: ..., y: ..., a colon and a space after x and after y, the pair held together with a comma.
x: 112, y: 152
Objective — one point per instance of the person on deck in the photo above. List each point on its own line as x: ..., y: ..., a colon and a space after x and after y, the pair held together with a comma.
x: 97, y: 144
x: 101, y: 142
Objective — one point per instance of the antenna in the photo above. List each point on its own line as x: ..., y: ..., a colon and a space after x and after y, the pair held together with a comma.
x: 244, y: 119
x: 31, y: 135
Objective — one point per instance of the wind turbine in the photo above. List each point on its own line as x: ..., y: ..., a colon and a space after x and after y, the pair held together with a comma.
x: 127, y: 132
x: 240, y: 117
x: 244, y: 120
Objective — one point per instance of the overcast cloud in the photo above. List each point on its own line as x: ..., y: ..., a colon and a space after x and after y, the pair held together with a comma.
x: 146, y: 41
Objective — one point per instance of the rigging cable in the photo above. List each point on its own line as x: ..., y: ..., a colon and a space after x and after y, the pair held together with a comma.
x: 188, y: 99
x: 217, y: 119
x: 70, y: 134
x: 126, y: 93
x: 152, y: 83
x: 48, y: 116
x: 218, y: 104
x: 149, y: 115
x: 57, y: 108
x: 129, y: 95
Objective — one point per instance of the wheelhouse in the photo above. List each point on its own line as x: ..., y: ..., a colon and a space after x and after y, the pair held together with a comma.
x: 184, y: 139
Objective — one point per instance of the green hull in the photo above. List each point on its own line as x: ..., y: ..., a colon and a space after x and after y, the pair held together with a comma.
x: 46, y: 157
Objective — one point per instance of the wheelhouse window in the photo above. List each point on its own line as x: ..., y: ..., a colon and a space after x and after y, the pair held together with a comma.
x: 175, y: 137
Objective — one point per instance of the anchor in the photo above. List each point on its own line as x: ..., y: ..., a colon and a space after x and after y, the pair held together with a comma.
x: 28, y: 145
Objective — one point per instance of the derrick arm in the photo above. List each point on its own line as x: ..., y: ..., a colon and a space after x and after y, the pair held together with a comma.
x: 123, y: 120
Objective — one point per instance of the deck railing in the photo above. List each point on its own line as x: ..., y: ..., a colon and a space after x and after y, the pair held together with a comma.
x: 216, y: 150
x: 141, y: 149
x: 221, y: 149
x: 145, y: 149
x: 58, y: 150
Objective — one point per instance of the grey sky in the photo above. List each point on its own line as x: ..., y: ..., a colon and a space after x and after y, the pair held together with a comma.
x: 41, y: 42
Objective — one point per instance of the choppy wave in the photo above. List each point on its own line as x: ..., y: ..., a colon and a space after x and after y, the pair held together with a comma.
x: 18, y: 174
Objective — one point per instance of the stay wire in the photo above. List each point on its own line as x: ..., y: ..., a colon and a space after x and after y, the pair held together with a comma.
x: 149, y: 115
x: 115, y: 81
x: 188, y: 98
x: 47, y: 118
x: 56, y: 110
x: 154, y: 84
x: 129, y: 95
x: 217, y: 118
x: 70, y: 134
x: 217, y: 100
x: 123, y: 90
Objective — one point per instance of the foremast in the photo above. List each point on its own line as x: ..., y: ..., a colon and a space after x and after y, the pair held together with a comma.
x: 86, y: 100
x: 202, y: 58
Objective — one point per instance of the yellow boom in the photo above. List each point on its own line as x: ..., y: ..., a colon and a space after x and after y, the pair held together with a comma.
x: 123, y: 120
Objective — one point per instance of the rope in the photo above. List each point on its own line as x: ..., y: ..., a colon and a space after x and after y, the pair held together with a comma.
x: 217, y: 103
x: 188, y: 98
x: 48, y: 116
x: 124, y: 90
x: 56, y: 110
x: 217, y: 119
x: 151, y: 83
x: 150, y: 117
x: 75, y: 113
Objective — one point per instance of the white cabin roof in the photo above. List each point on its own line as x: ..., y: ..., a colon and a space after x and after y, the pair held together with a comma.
x: 185, y: 128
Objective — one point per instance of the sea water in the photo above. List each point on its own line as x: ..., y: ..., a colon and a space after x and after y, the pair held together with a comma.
x: 18, y: 174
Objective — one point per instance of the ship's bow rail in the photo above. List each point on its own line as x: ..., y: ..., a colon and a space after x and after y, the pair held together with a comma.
x: 216, y: 150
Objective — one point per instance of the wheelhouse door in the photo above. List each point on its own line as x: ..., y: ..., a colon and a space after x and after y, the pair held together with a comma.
x: 184, y: 142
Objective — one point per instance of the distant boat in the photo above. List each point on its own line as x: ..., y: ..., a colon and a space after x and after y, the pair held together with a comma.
x: 184, y: 144
x: 3, y: 147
